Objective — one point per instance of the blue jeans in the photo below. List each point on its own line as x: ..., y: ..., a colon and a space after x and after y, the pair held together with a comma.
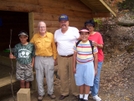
x: 95, y: 87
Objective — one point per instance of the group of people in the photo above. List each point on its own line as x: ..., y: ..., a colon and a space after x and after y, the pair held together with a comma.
x: 78, y: 54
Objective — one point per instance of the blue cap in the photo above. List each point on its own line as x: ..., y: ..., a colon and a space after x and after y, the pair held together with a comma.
x: 63, y: 17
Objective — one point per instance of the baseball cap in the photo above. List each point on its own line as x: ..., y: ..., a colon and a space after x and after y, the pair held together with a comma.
x: 22, y: 33
x: 63, y: 17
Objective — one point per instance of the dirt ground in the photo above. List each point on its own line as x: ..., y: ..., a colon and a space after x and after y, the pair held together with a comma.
x: 114, y: 86
x: 7, y: 95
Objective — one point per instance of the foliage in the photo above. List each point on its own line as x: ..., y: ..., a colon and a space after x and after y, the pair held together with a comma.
x: 126, y: 5
x: 98, y: 23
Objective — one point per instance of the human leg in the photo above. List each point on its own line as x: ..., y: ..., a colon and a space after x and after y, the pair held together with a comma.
x: 27, y: 84
x: 20, y: 74
x: 86, y: 91
x: 88, y: 78
x: 95, y: 88
x: 22, y: 83
x: 39, y: 75
x: 81, y: 93
x: 28, y: 75
x: 80, y: 81
x: 63, y: 73
x: 49, y: 72
x: 74, y: 88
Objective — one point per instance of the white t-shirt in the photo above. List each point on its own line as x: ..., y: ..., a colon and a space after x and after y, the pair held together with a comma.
x: 66, y: 41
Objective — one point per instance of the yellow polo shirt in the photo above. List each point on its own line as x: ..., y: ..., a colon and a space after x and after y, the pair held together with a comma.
x: 44, y: 45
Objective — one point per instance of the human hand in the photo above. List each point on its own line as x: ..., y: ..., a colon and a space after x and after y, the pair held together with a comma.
x: 32, y: 65
x: 74, y: 70
x: 95, y: 71
x: 94, y: 43
x: 55, y: 62
x: 11, y: 56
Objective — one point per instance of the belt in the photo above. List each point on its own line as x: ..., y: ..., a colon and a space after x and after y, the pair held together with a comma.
x: 67, y: 56
x: 43, y: 56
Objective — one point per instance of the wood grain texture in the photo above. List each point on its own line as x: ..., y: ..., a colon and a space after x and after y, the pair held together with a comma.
x: 49, y: 11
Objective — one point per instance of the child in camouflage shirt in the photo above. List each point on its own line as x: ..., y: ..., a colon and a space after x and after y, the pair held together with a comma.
x: 24, y: 54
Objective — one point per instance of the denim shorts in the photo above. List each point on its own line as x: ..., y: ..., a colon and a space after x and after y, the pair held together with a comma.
x: 84, y: 74
x: 24, y: 72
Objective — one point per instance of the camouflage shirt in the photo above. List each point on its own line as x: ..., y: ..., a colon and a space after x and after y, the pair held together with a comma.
x: 24, y: 53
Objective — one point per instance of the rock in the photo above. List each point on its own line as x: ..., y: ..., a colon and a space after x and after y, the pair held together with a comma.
x: 126, y: 19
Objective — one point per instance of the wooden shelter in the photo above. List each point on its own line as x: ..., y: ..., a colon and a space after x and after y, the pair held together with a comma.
x: 17, y: 15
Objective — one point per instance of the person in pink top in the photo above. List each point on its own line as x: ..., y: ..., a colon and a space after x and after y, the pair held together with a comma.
x: 98, y: 42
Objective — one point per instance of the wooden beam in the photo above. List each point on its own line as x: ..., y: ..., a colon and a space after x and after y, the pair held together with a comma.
x: 15, y: 6
x: 108, y: 7
x: 31, y: 24
x: 65, y: 4
x: 6, y: 81
x: 96, y: 15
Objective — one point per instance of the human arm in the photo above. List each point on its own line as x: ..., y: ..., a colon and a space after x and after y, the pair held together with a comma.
x: 74, y: 62
x: 97, y: 45
x: 33, y: 55
x: 11, y: 56
x: 95, y: 62
x: 56, y: 61
x: 54, y: 51
x: 15, y: 53
x: 32, y: 63
x: 95, y: 56
x: 97, y: 40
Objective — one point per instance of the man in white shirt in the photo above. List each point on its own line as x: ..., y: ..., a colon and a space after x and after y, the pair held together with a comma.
x: 66, y: 37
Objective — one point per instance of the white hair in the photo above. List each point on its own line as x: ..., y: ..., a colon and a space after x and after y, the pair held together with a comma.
x: 41, y: 22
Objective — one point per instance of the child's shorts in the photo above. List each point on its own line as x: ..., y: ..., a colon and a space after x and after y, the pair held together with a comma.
x: 84, y: 74
x: 24, y: 72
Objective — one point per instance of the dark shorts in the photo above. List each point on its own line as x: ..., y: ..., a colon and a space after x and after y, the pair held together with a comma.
x: 24, y: 72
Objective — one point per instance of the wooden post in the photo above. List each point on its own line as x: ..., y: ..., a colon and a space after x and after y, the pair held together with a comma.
x: 34, y: 84
x: 23, y: 94
x: 31, y: 24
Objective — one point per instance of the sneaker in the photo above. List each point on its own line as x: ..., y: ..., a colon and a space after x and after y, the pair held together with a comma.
x: 96, y: 98
x: 52, y: 96
x: 90, y: 92
x: 80, y: 99
x: 40, y: 98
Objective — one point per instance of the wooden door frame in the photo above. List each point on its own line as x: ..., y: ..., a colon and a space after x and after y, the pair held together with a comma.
x: 31, y: 24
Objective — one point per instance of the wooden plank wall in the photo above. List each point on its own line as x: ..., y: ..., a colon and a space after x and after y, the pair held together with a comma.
x: 49, y: 11
x: 76, y: 11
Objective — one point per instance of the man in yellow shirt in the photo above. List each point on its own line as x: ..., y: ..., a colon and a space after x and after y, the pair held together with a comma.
x: 46, y: 54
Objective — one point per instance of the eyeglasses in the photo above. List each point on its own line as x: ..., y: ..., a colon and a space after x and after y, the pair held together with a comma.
x: 42, y: 26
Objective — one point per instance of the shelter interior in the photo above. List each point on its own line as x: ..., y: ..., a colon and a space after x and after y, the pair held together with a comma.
x: 11, y: 23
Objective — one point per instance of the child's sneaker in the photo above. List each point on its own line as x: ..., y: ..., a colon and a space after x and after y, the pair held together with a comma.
x: 90, y: 92
x: 96, y: 98
x: 80, y: 99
